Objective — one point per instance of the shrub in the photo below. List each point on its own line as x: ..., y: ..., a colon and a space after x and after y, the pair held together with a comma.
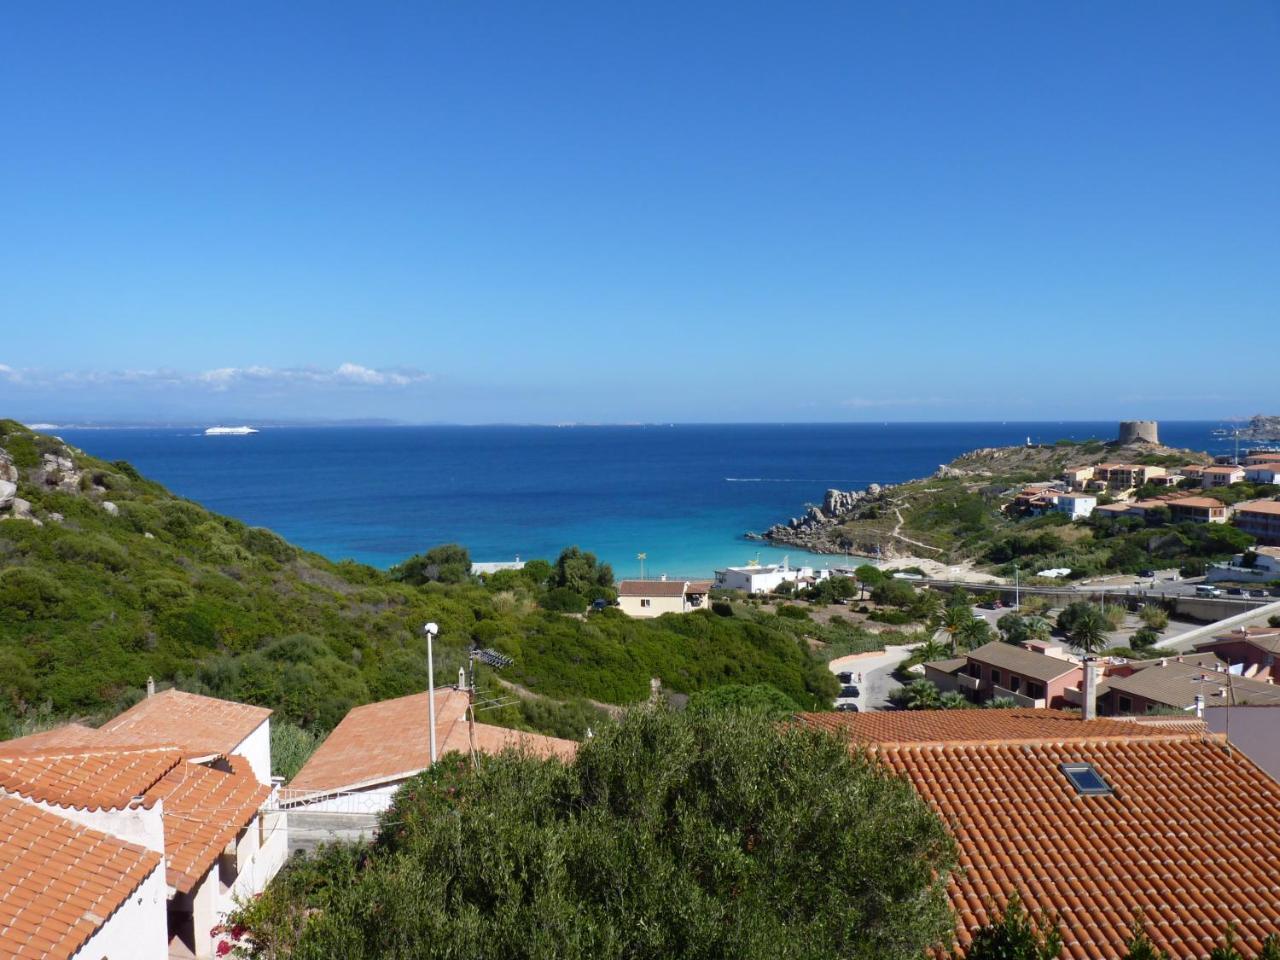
x: 564, y: 600
x: 291, y: 747
x: 536, y: 859
x: 1144, y: 638
x: 792, y: 612
x: 27, y: 594
x: 1155, y: 617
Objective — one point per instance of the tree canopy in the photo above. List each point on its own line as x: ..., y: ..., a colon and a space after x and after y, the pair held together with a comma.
x: 670, y: 835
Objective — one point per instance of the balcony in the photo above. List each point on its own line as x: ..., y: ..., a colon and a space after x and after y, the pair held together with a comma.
x: 1073, y: 696
x: 1020, y: 699
x: 966, y: 682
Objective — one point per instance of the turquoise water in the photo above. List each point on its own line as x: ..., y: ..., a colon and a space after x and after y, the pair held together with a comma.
x: 682, y: 494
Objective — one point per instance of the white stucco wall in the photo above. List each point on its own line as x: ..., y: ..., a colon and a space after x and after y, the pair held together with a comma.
x: 633, y: 607
x: 139, y: 825
x: 138, y: 930
x: 256, y: 748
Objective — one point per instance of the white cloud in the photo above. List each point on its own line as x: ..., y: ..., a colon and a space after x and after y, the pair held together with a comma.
x: 221, y: 379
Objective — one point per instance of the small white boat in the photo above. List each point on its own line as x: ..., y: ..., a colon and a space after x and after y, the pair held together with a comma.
x: 229, y: 431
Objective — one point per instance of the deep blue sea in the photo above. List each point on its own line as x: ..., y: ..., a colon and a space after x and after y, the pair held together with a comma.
x: 683, y: 494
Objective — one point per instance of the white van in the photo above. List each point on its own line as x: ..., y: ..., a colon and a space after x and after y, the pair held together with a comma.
x: 1204, y: 590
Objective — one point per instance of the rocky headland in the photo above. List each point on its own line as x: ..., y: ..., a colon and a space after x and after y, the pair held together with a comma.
x: 914, y: 518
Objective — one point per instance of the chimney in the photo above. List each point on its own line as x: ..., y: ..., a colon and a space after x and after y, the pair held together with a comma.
x: 151, y: 686
x: 462, y: 678
x: 1200, y: 706
x: 1090, y: 689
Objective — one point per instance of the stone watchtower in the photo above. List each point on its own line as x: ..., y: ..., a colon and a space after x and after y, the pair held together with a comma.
x: 1139, y: 431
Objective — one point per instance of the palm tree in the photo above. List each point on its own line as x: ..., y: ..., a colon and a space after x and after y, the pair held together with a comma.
x: 956, y: 622
x: 931, y: 649
x: 927, y: 605
x: 1089, y: 631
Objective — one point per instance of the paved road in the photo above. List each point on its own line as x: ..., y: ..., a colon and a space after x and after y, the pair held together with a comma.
x: 877, y: 674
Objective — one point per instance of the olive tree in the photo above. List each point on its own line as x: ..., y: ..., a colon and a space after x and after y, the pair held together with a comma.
x: 713, y: 835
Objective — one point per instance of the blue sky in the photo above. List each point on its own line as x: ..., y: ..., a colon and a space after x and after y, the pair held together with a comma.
x: 660, y: 211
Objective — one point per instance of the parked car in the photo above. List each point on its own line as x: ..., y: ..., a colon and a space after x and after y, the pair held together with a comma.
x: 849, y: 690
x: 992, y: 605
x: 1149, y: 574
x: 598, y: 605
x: 847, y: 707
x: 1258, y: 593
x: 1235, y: 591
x: 845, y: 676
x: 1203, y: 590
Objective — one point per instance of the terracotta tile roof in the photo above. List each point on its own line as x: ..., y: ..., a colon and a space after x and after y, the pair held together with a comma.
x: 188, y: 720
x: 89, y: 778
x: 387, y: 741
x: 1269, y: 507
x: 1200, y: 503
x: 1266, y: 639
x: 1188, y: 837
x: 975, y: 726
x: 67, y: 735
x: 1224, y: 470
x: 1175, y: 685
x: 662, y: 588
x: 204, y: 809
x: 59, y: 881
x: 1037, y: 666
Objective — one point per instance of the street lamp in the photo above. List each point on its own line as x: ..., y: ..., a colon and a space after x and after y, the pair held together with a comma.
x: 431, y: 630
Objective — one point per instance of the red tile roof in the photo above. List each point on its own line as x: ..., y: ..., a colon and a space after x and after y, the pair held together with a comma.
x: 388, y: 741
x: 1269, y: 507
x: 970, y: 726
x: 188, y: 720
x: 204, y: 809
x: 67, y: 735
x: 662, y: 588
x: 1187, y: 836
x: 60, y: 881
x: 89, y: 778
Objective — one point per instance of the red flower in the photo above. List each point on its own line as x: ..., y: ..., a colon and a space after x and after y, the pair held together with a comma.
x: 237, y: 931
x: 223, y: 949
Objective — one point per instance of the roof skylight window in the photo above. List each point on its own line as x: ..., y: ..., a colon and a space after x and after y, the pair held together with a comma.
x: 1086, y: 779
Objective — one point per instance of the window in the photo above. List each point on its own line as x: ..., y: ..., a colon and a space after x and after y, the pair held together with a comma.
x: 974, y: 670
x: 1126, y: 705
x: 1086, y: 779
x: 1015, y: 683
x: 1035, y: 690
x: 646, y: 602
x: 995, y: 675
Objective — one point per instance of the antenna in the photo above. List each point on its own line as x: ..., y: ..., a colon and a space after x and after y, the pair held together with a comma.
x: 490, y: 658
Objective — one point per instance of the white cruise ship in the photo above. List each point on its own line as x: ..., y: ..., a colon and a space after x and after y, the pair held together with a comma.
x: 229, y: 431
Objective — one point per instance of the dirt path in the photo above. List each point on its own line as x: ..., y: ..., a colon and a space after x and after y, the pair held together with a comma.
x: 898, y: 526
x: 524, y: 693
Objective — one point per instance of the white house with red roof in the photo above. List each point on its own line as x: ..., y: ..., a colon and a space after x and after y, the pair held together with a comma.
x: 653, y: 598
x: 165, y: 778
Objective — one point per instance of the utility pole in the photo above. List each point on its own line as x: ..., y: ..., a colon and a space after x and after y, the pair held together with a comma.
x: 1017, y: 597
x: 431, y: 629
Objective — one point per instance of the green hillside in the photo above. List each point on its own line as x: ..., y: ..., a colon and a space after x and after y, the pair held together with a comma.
x: 107, y: 578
